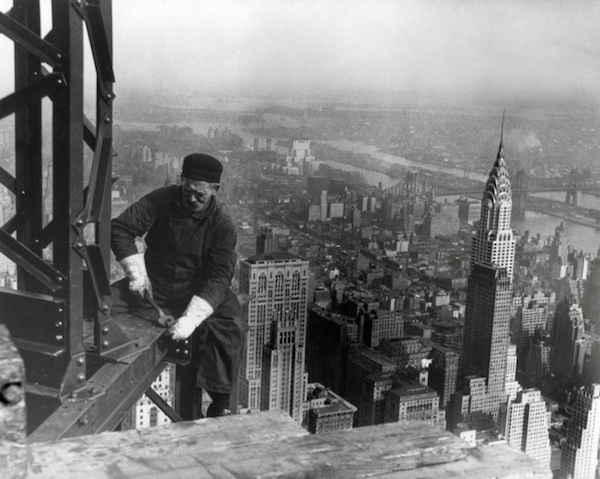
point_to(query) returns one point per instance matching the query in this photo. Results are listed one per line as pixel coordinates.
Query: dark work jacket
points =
(187, 253)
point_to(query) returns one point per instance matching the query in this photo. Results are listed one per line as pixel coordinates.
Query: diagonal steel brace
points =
(91, 13)
(30, 262)
(45, 51)
(99, 178)
(34, 92)
(8, 180)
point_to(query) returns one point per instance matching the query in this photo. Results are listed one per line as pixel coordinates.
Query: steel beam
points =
(8, 180)
(28, 39)
(163, 405)
(30, 262)
(31, 94)
(113, 387)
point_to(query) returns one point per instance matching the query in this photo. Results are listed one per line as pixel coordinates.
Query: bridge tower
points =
(573, 181)
(520, 190)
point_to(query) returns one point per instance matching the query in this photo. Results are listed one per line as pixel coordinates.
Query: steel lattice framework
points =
(84, 370)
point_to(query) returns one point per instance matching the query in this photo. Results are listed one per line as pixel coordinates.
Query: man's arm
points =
(134, 222)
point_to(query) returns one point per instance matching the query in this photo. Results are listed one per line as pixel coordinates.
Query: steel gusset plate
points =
(37, 90)
(178, 351)
(31, 262)
(92, 256)
(38, 326)
(91, 13)
(45, 51)
(89, 135)
(95, 200)
(99, 177)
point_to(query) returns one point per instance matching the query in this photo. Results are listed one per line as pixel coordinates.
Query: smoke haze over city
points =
(458, 48)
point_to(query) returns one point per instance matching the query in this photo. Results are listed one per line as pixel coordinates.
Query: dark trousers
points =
(216, 347)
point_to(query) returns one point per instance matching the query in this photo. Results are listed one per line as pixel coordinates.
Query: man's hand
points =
(195, 314)
(135, 269)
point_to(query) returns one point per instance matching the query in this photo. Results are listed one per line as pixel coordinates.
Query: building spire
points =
(501, 146)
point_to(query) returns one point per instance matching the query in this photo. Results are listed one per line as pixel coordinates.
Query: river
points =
(582, 238)
(372, 151)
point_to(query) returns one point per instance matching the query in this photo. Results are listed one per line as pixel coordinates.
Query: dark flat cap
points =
(201, 167)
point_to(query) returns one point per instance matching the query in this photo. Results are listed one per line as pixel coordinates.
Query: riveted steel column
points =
(28, 143)
(67, 163)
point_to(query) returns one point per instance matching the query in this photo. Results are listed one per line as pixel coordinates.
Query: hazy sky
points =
(444, 46)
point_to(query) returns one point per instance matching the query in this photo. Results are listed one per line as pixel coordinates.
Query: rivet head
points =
(186, 352)
(58, 324)
(105, 344)
(12, 393)
(105, 330)
(59, 337)
(107, 120)
(177, 351)
(105, 307)
(79, 222)
(80, 377)
(80, 362)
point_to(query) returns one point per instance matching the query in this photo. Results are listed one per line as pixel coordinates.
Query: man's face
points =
(197, 194)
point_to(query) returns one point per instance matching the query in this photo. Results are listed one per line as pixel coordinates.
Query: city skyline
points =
(367, 304)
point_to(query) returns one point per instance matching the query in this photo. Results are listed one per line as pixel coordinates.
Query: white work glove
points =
(195, 314)
(135, 269)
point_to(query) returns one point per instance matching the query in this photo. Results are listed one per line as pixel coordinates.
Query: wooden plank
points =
(250, 445)
(497, 461)
(271, 444)
(167, 451)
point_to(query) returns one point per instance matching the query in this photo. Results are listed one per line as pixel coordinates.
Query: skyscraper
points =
(524, 424)
(568, 349)
(538, 359)
(329, 336)
(277, 327)
(579, 454)
(591, 297)
(487, 324)
(493, 243)
(283, 379)
(489, 305)
(443, 372)
(530, 316)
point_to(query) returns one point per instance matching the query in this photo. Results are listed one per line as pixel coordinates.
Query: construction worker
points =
(187, 267)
